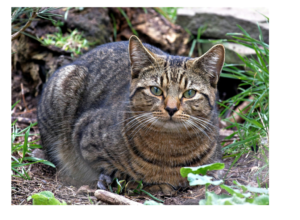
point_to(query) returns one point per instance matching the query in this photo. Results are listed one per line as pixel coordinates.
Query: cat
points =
(128, 110)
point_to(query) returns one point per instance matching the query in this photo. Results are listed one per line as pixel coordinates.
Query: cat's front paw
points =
(162, 189)
(103, 181)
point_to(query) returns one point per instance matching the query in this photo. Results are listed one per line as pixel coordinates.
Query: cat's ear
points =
(140, 56)
(211, 63)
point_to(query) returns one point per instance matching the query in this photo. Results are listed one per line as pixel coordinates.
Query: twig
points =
(20, 113)
(23, 120)
(114, 199)
(22, 91)
(17, 34)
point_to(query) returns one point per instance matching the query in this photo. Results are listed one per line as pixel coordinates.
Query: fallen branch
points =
(114, 199)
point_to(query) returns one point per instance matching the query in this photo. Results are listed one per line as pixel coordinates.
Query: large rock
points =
(231, 50)
(221, 21)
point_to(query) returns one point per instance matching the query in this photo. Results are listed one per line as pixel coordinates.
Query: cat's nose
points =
(171, 111)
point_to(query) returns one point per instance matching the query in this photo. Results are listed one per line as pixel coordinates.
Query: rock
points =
(221, 21)
(231, 50)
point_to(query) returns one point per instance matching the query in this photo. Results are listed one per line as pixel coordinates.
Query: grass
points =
(254, 132)
(128, 21)
(21, 151)
(170, 13)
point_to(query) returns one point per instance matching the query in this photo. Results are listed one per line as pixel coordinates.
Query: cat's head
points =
(170, 92)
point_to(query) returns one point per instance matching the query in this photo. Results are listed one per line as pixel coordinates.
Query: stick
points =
(23, 120)
(19, 113)
(114, 199)
(22, 91)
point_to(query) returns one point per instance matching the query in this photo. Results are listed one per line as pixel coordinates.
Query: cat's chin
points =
(170, 125)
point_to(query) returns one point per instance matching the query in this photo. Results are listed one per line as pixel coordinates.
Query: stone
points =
(221, 21)
(231, 50)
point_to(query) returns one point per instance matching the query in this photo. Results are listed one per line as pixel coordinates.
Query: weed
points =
(238, 194)
(73, 42)
(45, 198)
(254, 131)
(21, 158)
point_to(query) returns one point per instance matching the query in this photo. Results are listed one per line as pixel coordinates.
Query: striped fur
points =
(98, 116)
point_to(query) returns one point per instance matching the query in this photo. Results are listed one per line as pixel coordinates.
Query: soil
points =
(46, 178)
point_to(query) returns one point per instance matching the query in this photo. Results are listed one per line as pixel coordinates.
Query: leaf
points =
(35, 159)
(261, 200)
(212, 199)
(12, 107)
(151, 202)
(235, 192)
(45, 198)
(196, 179)
(252, 189)
(184, 171)
(153, 197)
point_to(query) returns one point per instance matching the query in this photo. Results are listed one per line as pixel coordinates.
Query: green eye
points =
(189, 93)
(156, 91)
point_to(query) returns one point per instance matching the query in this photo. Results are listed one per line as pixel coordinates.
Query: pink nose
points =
(171, 105)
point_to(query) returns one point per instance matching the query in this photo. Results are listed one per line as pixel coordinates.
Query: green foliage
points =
(168, 12)
(184, 171)
(238, 194)
(19, 163)
(73, 42)
(195, 179)
(45, 198)
(255, 78)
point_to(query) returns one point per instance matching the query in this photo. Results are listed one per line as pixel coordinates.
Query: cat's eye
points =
(156, 91)
(189, 93)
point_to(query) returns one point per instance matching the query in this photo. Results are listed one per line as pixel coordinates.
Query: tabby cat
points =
(131, 111)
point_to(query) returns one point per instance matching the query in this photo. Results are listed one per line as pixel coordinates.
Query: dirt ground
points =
(46, 178)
